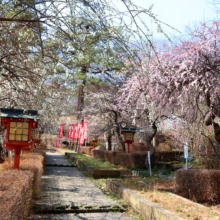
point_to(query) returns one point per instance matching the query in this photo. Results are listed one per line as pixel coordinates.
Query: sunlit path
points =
(66, 189)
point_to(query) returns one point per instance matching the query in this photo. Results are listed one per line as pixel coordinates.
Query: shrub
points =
(138, 159)
(139, 147)
(166, 156)
(15, 194)
(110, 155)
(98, 153)
(199, 185)
(123, 159)
(31, 160)
(86, 150)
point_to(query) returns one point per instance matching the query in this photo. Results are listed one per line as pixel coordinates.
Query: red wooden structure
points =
(128, 134)
(94, 139)
(19, 125)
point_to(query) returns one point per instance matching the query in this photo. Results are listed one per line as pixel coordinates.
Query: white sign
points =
(106, 145)
(186, 150)
(149, 157)
(149, 162)
(113, 147)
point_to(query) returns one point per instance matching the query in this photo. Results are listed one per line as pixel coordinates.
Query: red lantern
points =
(19, 125)
(128, 135)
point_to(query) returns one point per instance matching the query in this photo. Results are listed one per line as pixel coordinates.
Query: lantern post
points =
(94, 139)
(19, 125)
(128, 134)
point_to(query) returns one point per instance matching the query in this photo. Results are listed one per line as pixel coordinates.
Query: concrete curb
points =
(93, 172)
(144, 207)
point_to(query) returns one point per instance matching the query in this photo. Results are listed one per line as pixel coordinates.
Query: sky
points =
(179, 13)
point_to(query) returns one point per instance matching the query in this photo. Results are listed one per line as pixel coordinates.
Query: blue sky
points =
(180, 13)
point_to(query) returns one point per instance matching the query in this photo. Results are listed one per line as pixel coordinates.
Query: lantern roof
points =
(133, 130)
(19, 113)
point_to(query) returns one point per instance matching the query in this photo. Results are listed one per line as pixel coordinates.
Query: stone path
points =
(56, 159)
(66, 188)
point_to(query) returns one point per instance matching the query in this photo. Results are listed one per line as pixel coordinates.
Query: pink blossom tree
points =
(183, 80)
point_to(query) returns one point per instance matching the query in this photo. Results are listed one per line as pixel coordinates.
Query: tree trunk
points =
(81, 96)
(148, 139)
(109, 140)
(120, 138)
(118, 131)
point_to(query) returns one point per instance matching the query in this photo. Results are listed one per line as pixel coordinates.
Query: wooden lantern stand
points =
(19, 125)
(128, 134)
(94, 141)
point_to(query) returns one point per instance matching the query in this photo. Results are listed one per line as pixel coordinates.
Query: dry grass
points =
(18, 187)
(32, 161)
(155, 193)
(15, 194)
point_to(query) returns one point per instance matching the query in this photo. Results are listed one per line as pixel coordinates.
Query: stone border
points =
(93, 172)
(144, 207)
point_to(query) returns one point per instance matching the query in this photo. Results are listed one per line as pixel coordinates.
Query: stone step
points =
(59, 165)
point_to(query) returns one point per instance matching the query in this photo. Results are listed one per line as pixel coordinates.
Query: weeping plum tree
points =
(183, 80)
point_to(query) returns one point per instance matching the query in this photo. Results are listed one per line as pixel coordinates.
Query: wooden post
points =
(128, 148)
(10, 156)
(17, 158)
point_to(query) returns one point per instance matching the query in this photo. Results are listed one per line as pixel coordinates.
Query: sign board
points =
(61, 131)
(186, 150)
(106, 145)
(149, 162)
(148, 157)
